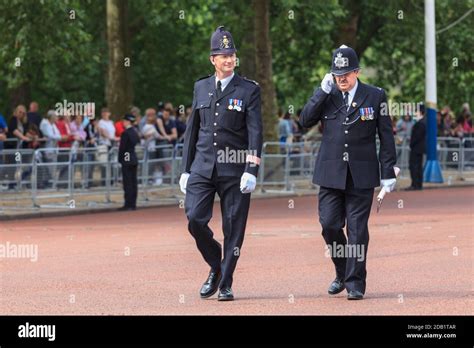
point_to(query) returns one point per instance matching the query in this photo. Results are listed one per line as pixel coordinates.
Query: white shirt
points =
(352, 93)
(109, 128)
(149, 129)
(51, 132)
(225, 81)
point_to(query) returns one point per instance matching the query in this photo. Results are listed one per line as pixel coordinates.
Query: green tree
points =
(50, 51)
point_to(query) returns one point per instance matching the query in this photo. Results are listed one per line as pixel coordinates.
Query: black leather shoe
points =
(411, 188)
(355, 295)
(336, 286)
(211, 285)
(225, 295)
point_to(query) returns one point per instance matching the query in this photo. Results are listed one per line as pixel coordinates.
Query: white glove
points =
(327, 83)
(388, 184)
(248, 183)
(183, 180)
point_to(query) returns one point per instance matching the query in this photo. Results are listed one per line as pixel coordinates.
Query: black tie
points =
(346, 100)
(218, 90)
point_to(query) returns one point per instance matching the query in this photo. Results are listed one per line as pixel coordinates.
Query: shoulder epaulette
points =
(249, 80)
(204, 77)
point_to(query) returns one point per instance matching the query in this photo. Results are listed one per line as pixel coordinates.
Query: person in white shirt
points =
(106, 136)
(106, 129)
(51, 132)
(151, 134)
(51, 136)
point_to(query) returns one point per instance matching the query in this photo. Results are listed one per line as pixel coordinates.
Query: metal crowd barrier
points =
(14, 141)
(282, 162)
(16, 167)
(158, 171)
(59, 175)
(467, 155)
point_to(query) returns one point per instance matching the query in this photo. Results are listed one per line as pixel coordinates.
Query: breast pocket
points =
(234, 119)
(366, 129)
(204, 109)
(329, 117)
(330, 126)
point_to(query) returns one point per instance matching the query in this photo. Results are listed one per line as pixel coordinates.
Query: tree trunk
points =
(119, 92)
(20, 95)
(349, 28)
(263, 60)
(352, 31)
(246, 48)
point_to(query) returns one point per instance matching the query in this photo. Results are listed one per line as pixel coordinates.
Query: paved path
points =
(420, 261)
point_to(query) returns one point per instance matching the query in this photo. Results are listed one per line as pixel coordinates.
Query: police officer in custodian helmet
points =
(221, 154)
(347, 165)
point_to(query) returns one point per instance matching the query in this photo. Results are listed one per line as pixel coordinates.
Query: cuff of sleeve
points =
(252, 169)
(387, 173)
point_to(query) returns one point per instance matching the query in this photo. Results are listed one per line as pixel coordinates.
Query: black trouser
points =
(335, 208)
(130, 185)
(200, 193)
(416, 169)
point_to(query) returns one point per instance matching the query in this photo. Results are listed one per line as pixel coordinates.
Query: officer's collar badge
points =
(340, 61)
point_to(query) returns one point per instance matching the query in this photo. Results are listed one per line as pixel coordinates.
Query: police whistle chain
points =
(345, 123)
(339, 108)
(382, 192)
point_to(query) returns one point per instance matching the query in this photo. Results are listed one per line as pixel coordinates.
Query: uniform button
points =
(217, 113)
(215, 144)
(215, 124)
(325, 117)
(347, 118)
(217, 104)
(346, 131)
(215, 134)
(345, 145)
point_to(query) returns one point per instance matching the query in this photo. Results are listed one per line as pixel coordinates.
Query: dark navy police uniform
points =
(348, 167)
(417, 150)
(128, 159)
(222, 122)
